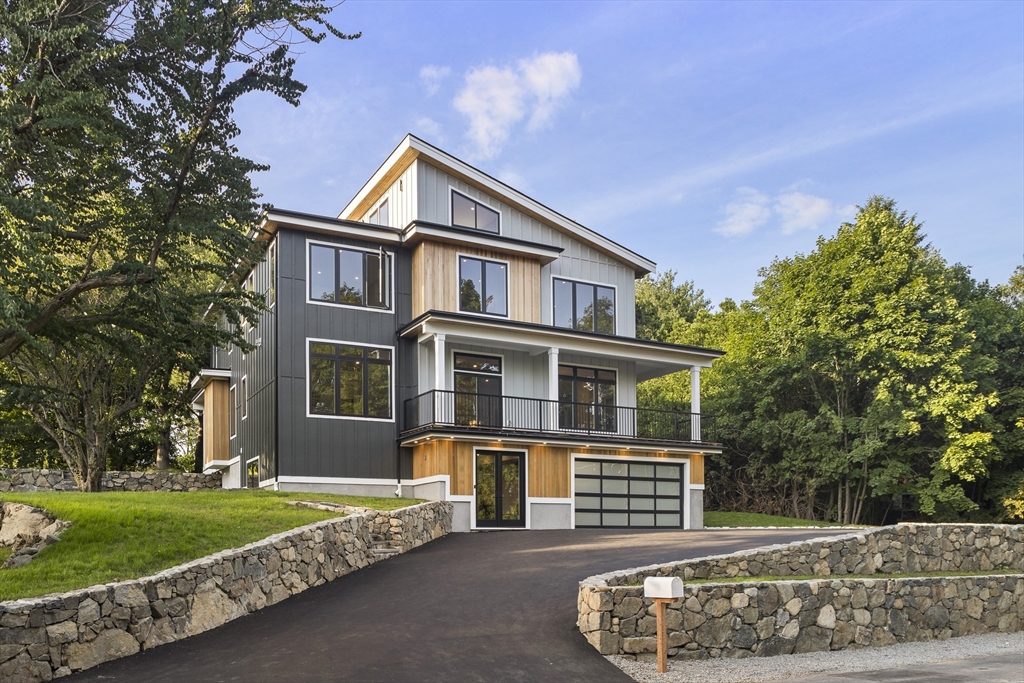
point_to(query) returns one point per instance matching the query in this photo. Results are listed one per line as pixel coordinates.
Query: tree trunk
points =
(163, 449)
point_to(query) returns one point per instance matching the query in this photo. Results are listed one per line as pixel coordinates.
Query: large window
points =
(379, 215)
(483, 286)
(469, 213)
(348, 380)
(586, 398)
(584, 306)
(477, 390)
(349, 276)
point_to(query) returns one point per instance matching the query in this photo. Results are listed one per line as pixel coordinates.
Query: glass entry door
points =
(500, 489)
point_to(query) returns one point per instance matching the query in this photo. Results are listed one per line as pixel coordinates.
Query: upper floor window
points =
(349, 380)
(352, 277)
(584, 306)
(469, 213)
(483, 286)
(379, 215)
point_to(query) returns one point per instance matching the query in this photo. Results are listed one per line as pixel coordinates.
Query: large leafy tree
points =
(125, 208)
(852, 379)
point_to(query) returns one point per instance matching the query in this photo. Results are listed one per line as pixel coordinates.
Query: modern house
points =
(448, 337)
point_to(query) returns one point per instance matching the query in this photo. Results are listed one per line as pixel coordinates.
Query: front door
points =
(500, 489)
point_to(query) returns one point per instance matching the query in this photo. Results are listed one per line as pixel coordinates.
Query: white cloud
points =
(747, 212)
(798, 211)
(496, 99)
(432, 75)
(428, 127)
(550, 77)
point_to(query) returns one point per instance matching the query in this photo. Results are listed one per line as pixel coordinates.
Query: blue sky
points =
(709, 137)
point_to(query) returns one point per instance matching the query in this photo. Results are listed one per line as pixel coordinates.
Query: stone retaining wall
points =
(26, 480)
(781, 617)
(55, 635)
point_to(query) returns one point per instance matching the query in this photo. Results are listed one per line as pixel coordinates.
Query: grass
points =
(718, 519)
(126, 535)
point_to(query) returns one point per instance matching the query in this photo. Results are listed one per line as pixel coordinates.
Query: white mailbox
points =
(670, 587)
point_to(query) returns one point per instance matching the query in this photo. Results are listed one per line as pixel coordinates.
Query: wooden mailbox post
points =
(663, 590)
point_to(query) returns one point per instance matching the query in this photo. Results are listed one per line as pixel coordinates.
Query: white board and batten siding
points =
(578, 261)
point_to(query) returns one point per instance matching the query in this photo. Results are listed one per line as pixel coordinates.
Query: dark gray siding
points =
(320, 446)
(256, 433)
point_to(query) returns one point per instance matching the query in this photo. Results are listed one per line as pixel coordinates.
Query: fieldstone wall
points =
(26, 480)
(56, 635)
(782, 617)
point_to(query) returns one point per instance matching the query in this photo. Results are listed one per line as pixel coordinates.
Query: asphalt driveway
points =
(496, 606)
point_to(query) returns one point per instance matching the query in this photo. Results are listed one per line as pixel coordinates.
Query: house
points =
(448, 337)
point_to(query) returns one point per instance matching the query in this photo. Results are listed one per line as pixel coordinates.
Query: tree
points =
(125, 209)
(116, 122)
(851, 379)
(661, 304)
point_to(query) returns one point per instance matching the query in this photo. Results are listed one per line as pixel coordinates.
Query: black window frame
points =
(483, 284)
(385, 276)
(476, 214)
(600, 417)
(337, 357)
(576, 284)
(630, 495)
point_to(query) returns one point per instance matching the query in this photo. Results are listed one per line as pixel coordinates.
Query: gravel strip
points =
(784, 667)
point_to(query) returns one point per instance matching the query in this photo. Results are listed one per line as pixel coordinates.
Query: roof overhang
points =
(275, 218)
(412, 148)
(691, 448)
(418, 231)
(653, 359)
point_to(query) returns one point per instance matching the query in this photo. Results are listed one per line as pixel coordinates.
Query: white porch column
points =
(695, 403)
(552, 388)
(441, 403)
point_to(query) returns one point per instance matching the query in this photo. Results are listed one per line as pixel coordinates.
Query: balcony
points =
(511, 415)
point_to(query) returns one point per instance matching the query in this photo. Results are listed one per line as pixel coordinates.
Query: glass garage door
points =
(625, 494)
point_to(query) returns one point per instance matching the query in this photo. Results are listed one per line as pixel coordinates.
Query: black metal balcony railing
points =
(487, 413)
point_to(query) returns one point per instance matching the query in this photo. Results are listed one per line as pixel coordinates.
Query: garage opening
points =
(614, 493)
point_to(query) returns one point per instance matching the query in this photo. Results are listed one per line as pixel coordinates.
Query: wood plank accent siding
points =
(215, 421)
(435, 276)
(548, 471)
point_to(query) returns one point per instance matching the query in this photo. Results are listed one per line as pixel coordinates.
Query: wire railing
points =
(492, 413)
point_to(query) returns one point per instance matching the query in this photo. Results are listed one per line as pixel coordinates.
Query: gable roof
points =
(413, 147)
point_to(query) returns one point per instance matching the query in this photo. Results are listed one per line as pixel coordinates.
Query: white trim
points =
(451, 217)
(685, 462)
(551, 501)
(525, 488)
(585, 282)
(272, 268)
(391, 380)
(391, 288)
(218, 374)
(286, 479)
(265, 483)
(233, 406)
(217, 465)
(244, 381)
(458, 286)
(697, 487)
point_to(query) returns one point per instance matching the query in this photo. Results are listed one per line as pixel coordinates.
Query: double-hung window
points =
(483, 286)
(469, 213)
(584, 306)
(353, 277)
(349, 380)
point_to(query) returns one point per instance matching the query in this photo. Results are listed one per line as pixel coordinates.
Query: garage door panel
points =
(628, 494)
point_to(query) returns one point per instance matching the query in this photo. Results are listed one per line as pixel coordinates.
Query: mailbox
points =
(665, 587)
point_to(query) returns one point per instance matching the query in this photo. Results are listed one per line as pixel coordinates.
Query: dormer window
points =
(379, 215)
(469, 213)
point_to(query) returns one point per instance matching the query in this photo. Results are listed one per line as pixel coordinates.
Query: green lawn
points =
(713, 519)
(123, 535)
